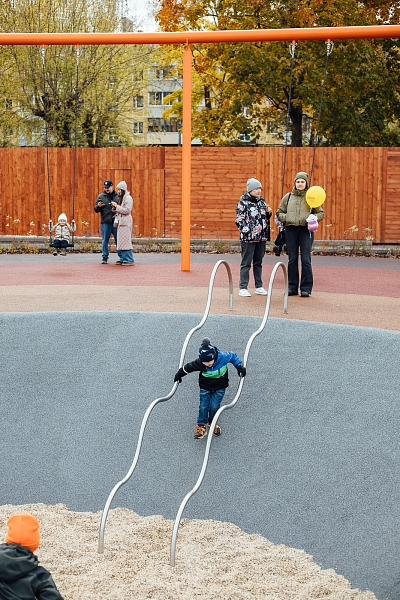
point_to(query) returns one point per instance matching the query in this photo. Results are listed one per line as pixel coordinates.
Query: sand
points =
(213, 560)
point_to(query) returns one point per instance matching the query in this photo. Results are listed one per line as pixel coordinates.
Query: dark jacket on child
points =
(21, 578)
(215, 377)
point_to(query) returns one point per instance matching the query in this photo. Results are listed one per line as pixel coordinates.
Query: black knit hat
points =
(207, 352)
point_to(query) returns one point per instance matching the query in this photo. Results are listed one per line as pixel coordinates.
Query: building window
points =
(156, 98)
(164, 125)
(138, 102)
(137, 127)
(272, 128)
(113, 138)
(163, 72)
(168, 102)
(154, 125)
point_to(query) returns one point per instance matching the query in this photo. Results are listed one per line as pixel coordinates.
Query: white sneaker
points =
(244, 292)
(261, 291)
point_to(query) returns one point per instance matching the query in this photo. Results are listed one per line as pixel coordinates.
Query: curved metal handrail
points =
(226, 406)
(164, 398)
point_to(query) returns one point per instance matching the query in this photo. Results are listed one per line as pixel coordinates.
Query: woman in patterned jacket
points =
(252, 219)
(123, 220)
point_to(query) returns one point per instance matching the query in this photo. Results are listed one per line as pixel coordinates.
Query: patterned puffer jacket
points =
(252, 219)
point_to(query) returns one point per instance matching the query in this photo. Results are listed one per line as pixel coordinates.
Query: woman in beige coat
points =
(123, 220)
(293, 212)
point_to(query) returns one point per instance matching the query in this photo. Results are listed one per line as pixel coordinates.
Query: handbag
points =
(280, 242)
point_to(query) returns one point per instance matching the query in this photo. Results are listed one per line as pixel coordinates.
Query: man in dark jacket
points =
(107, 216)
(20, 576)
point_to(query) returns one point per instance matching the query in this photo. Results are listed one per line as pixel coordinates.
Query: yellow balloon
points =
(315, 196)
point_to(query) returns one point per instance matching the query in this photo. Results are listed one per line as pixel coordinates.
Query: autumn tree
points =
(361, 90)
(8, 115)
(57, 84)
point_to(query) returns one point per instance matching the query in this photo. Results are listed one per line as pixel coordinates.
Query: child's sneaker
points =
(217, 431)
(63, 252)
(55, 252)
(200, 431)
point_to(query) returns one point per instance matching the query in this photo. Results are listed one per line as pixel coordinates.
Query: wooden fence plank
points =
(362, 185)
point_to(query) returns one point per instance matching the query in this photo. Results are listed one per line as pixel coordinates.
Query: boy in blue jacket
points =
(213, 381)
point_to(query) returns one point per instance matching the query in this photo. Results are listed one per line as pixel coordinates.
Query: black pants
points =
(60, 244)
(298, 237)
(252, 252)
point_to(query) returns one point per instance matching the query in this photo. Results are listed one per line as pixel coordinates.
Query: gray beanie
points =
(207, 353)
(122, 186)
(301, 175)
(253, 184)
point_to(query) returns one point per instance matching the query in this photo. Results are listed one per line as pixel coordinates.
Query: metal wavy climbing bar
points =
(226, 406)
(164, 398)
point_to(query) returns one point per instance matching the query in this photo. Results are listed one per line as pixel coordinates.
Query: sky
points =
(140, 10)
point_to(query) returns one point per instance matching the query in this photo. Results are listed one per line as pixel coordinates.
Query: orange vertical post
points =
(186, 157)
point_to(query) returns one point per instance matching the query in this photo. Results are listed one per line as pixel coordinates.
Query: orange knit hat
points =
(23, 529)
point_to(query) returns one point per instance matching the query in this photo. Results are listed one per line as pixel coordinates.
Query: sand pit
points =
(213, 560)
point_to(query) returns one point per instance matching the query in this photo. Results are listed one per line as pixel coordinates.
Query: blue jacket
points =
(215, 377)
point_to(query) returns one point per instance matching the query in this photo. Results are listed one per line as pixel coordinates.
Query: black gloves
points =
(241, 371)
(181, 373)
(178, 377)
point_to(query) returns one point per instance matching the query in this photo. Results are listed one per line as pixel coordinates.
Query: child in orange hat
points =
(20, 575)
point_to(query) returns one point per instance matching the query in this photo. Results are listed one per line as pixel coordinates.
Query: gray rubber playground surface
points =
(309, 456)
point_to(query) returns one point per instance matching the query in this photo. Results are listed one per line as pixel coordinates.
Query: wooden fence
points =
(362, 184)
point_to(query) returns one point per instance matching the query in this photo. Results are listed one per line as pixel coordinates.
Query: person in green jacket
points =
(293, 212)
(21, 578)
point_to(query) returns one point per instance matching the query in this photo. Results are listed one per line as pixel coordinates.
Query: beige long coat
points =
(124, 219)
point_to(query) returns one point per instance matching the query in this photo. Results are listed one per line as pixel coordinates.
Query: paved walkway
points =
(347, 290)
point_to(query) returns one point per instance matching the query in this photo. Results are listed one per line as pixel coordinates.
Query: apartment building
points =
(149, 127)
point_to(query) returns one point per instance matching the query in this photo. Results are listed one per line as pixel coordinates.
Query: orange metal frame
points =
(197, 37)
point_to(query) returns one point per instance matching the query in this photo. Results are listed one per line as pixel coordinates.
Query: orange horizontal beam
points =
(199, 37)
